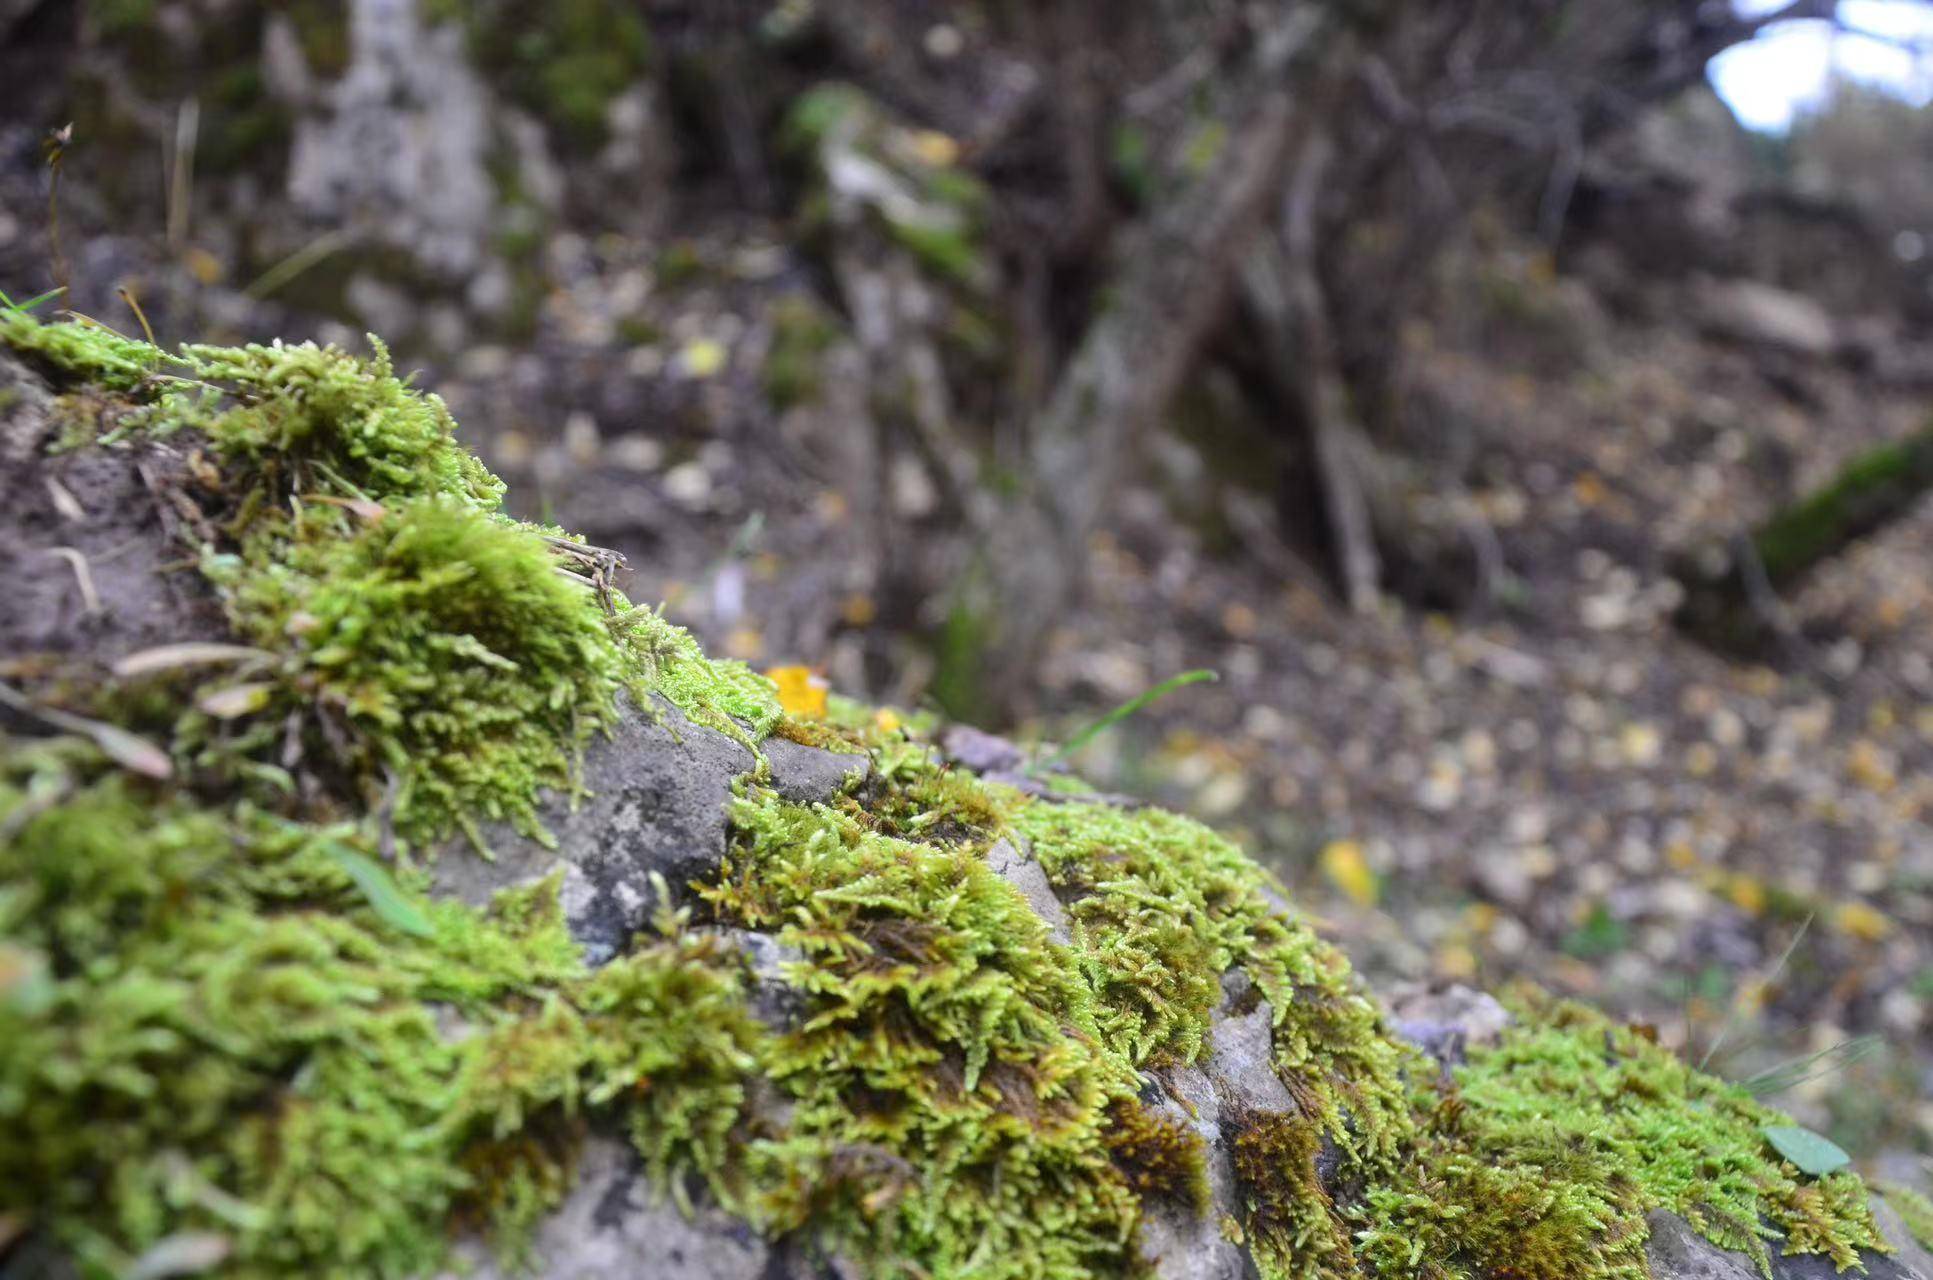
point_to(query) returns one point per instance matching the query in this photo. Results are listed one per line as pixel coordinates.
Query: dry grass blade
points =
(131, 751)
(192, 653)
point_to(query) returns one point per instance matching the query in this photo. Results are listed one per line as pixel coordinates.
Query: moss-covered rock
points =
(268, 1009)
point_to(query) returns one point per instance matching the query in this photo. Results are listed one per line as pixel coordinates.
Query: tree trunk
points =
(1169, 293)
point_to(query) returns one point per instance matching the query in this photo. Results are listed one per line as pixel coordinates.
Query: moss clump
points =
(1162, 908)
(563, 59)
(944, 1034)
(802, 332)
(915, 797)
(1569, 1079)
(207, 1027)
(1915, 1209)
(465, 667)
(922, 202)
(1159, 1156)
(1292, 1225)
(440, 660)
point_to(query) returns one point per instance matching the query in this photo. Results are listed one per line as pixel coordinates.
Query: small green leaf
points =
(1813, 1153)
(385, 899)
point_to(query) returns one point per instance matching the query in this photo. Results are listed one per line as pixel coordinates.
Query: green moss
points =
(466, 667)
(1292, 1226)
(563, 59)
(1162, 907)
(1557, 1142)
(1862, 496)
(915, 797)
(1691, 1142)
(1160, 1156)
(437, 661)
(220, 1013)
(945, 1035)
(206, 1027)
(802, 331)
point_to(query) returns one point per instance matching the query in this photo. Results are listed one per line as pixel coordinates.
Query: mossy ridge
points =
(1575, 1093)
(208, 1029)
(445, 657)
(951, 1089)
(1165, 907)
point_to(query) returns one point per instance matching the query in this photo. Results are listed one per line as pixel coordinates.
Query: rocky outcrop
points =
(721, 1001)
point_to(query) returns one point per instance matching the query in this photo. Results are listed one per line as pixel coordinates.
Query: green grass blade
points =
(1122, 712)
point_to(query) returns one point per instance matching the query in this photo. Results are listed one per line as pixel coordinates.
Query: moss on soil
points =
(228, 1007)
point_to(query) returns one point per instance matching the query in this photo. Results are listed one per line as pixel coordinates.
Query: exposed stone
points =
(1912, 1255)
(397, 149)
(615, 1226)
(658, 791)
(1762, 315)
(978, 750)
(1445, 1022)
(1023, 873)
(1181, 1244)
(1241, 1062)
(1677, 1252)
(813, 775)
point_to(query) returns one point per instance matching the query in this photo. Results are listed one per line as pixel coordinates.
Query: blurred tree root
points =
(1732, 590)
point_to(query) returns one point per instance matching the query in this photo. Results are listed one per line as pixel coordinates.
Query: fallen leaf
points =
(702, 357)
(1813, 1153)
(1858, 920)
(802, 691)
(1343, 862)
(233, 701)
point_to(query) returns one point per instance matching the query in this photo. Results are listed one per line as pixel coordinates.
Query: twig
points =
(181, 179)
(56, 148)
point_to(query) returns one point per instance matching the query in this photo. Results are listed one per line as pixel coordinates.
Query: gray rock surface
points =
(1023, 873)
(614, 1226)
(396, 148)
(1446, 1021)
(658, 791)
(812, 775)
(1677, 1252)
(1912, 1255)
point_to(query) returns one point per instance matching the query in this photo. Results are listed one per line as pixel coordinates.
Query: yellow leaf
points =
(1868, 924)
(935, 148)
(702, 357)
(1348, 870)
(858, 610)
(1747, 894)
(203, 265)
(802, 692)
